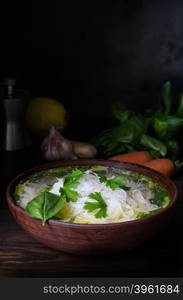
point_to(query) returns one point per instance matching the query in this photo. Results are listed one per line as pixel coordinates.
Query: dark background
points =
(89, 53)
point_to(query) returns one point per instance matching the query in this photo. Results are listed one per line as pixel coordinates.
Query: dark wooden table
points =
(21, 256)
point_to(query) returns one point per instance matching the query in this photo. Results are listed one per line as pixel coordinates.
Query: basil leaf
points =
(44, 206)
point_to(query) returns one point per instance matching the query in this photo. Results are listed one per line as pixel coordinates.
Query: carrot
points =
(162, 165)
(138, 157)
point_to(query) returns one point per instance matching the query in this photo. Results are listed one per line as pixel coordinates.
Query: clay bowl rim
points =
(89, 162)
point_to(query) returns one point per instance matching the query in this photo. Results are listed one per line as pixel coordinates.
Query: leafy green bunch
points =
(155, 131)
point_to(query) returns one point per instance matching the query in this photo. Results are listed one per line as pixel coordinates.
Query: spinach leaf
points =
(44, 206)
(132, 130)
(150, 131)
(153, 144)
(121, 138)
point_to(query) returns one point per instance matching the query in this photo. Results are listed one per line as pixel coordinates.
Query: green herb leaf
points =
(102, 178)
(99, 168)
(71, 195)
(18, 191)
(142, 214)
(100, 205)
(114, 183)
(132, 132)
(160, 198)
(152, 143)
(167, 126)
(117, 139)
(70, 182)
(68, 194)
(71, 220)
(44, 206)
(117, 182)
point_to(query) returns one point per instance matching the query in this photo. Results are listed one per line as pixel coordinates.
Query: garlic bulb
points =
(56, 147)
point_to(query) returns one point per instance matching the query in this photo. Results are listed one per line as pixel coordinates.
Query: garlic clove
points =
(83, 150)
(56, 147)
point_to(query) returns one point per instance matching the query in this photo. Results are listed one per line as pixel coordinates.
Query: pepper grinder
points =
(14, 133)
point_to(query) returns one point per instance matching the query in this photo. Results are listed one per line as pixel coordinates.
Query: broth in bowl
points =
(90, 195)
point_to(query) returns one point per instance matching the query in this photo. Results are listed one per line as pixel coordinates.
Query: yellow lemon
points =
(43, 112)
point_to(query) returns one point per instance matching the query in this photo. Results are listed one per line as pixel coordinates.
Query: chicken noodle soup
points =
(90, 195)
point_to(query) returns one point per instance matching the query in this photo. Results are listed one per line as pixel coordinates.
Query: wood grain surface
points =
(21, 256)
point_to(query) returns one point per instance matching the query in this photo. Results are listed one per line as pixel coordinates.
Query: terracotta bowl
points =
(94, 239)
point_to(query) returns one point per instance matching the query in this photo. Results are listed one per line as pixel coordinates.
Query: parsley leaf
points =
(114, 183)
(102, 178)
(100, 205)
(71, 181)
(69, 195)
(117, 182)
